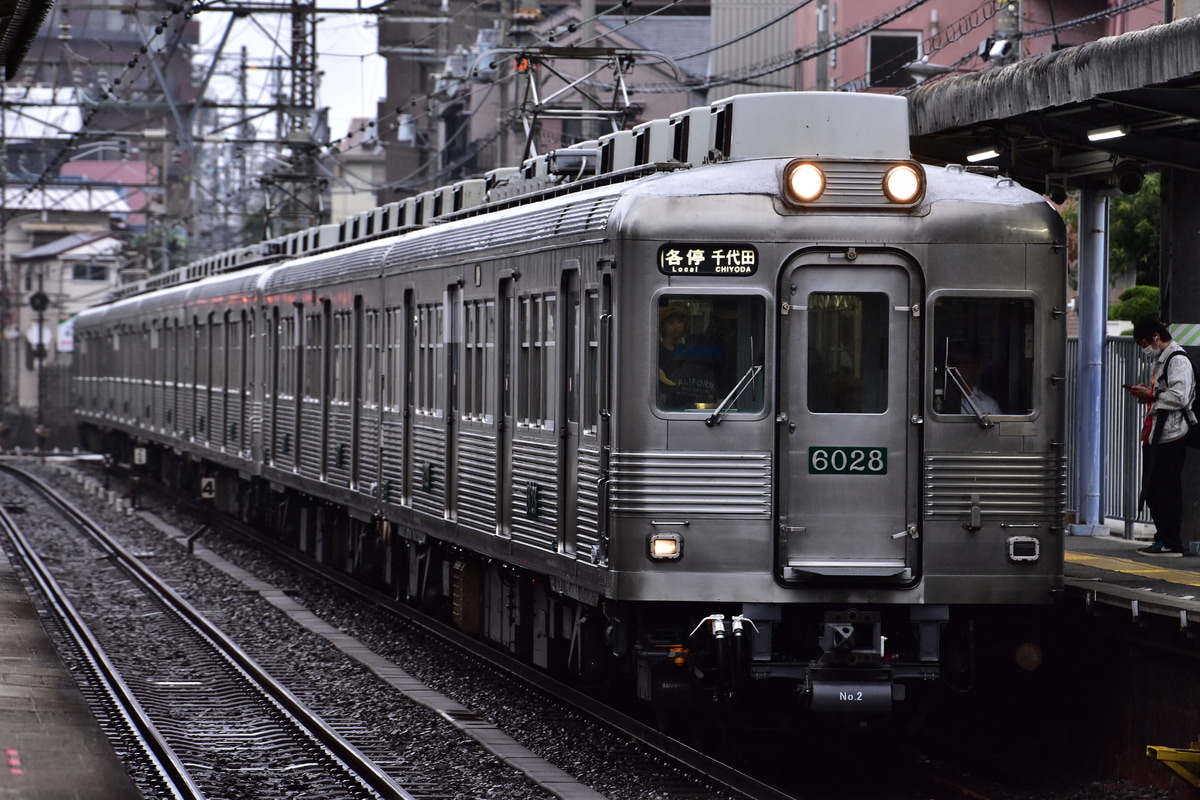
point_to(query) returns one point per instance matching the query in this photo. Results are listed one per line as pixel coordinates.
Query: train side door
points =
(453, 353)
(359, 405)
(571, 394)
(849, 356)
(504, 407)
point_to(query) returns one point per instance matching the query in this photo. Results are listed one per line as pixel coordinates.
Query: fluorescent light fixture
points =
(1111, 132)
(983, 155)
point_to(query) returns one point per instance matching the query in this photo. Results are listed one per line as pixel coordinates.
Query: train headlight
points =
(803, 182)
(903, 183)
(665, 546)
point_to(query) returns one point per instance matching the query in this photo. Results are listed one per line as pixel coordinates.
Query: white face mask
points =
(1149, 352)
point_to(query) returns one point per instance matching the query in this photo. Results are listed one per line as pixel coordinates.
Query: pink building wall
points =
(951, 32)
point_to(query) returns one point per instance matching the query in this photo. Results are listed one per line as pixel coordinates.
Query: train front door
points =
(848, 434)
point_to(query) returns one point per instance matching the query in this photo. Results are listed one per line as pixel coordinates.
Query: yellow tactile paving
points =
(1179, 576)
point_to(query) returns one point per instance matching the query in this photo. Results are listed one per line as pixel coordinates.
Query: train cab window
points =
(983, 356)
(708, 351)
(848, 353)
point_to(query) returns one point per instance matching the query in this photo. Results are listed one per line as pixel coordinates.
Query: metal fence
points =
(1123, 418)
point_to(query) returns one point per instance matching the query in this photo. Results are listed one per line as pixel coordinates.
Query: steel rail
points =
(354, 761)
(727, 777)
(107, 679)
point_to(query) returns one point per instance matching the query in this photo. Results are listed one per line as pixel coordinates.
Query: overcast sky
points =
(353, 79)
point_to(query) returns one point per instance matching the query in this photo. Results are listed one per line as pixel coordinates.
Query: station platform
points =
(51, 747)
(1109, 570)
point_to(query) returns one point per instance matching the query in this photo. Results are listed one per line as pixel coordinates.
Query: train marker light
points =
(1024, 548)
(665, 546)
(902, 184)
(803, 182)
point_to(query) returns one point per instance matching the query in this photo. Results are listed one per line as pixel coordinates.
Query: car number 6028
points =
(847, 460)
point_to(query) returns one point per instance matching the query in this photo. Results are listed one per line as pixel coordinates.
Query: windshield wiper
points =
(733, 395)
(984, 420)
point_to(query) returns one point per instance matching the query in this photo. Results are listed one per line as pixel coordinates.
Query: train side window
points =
(203, 351)
(370, 358)
(479, 346)
(393, 370)
(430, 343)
(706, 346)
(343, 356)
(848, 353)
(314, 341)
(287, 357)
(233, 355)
(983, 356)
(591, 365)
(535, 360)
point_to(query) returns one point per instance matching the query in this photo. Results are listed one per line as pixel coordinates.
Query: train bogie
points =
(787, 419)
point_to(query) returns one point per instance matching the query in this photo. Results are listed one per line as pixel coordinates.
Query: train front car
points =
(839, 412)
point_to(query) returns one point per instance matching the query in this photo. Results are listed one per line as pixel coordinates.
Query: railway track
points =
(207, 715)
(672, 770)
(700, 775)
(681, 771)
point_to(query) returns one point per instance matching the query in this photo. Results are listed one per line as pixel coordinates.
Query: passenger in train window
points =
(969, 368)
(984, 348)
(1169, 397)
(685, 380)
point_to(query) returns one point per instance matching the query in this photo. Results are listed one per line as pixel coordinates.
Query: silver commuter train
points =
(760, 408)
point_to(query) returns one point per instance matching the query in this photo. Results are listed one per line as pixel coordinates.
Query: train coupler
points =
(852, 638)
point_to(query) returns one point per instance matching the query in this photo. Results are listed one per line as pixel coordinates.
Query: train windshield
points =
(983, 356)
(706, 345)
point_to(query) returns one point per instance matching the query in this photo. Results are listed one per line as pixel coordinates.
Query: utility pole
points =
(39, 302)
(587, 29)
(822, 84)
(295, 194)
(1007, 49)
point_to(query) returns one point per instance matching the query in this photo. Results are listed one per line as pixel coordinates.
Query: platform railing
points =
(1123, 418)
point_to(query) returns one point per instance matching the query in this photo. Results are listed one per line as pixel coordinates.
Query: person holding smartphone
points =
(1168, 398)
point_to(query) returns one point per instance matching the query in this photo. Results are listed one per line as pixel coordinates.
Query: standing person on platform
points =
(1169, 399)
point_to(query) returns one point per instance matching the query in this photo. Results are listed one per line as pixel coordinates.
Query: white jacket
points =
(1173, 392)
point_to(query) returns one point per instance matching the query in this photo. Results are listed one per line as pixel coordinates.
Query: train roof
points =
(740, 128)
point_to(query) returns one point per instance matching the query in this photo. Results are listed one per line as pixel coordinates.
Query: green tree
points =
(1134, 224)
(151, 245)
(1137, 302)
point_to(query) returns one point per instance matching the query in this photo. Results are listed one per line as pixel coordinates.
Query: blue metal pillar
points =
(1089, 395)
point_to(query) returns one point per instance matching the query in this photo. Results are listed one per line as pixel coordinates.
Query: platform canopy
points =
(1038, 112)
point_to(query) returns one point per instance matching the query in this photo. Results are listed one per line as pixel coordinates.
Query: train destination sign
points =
(732, 260)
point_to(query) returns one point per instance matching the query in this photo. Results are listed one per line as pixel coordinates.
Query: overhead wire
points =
(51, 168)
(946, 36)
(751, 72)
(740, 37)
